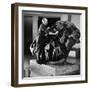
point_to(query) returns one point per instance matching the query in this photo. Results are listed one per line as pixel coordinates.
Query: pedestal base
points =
(41, 70)
(38, 70)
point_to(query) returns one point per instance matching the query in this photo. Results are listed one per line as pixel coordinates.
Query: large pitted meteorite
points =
(57, 47)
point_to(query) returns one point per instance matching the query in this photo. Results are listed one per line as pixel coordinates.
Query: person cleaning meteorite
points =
(43, 40)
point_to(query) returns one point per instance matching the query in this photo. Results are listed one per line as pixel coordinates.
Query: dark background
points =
(27, 34)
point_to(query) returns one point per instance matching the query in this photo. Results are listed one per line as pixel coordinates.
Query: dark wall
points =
(27, 33)
(51, 20)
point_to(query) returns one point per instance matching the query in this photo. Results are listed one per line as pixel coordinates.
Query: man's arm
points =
(40, 27)
(51, 33)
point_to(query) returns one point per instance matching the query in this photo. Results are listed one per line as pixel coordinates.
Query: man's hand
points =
(56, 32)
(48, 28)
